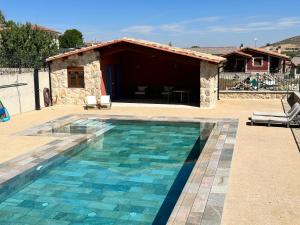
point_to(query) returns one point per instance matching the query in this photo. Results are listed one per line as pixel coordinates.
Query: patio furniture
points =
(91, 102)
(278, 114)
(293, 118)
(182, 93)
(105, 102)
(141, 91)
(167, 93)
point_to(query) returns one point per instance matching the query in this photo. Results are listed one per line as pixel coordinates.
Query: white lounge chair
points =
(91, 102)
(293, 118)
(278, 114)
(105, 101)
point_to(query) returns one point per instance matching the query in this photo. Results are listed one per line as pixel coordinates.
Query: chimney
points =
(241, 46)
(279, 49)
(268, 47)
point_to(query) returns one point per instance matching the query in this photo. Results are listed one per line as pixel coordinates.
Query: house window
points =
(298, 70)
(76, 77)
(258, 61)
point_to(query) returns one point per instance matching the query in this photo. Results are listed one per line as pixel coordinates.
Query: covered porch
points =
(132, 73)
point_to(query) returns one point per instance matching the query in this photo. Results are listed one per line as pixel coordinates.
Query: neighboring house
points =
(296, 65)
(118, 67)
(53, 33)
(256, 60)
(219, 51)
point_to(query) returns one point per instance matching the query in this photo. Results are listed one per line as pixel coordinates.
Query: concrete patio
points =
(264, 184)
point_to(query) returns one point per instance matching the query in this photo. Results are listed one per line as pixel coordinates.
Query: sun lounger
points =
(293, 118)
(105, 101)
(278, 114)
(91, 102)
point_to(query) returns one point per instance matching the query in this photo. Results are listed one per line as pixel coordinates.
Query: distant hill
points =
(289, 46)
(292, 41)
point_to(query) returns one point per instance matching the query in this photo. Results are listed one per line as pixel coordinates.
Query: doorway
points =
(274, 65)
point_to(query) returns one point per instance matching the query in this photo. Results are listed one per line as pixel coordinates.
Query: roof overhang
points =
(239, 53)
(266, 52)
(179, 51)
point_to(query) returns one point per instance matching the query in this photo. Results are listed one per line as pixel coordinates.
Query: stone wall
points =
(61, 94)
(252, 94)
(208, 84)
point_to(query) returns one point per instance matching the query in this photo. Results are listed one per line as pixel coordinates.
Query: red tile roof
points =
(238, 53)
(46, 29)
(296, 61)
(267, 52)
(215, 50)
(154, 45)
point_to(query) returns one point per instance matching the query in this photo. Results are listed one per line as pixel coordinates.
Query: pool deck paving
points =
(264, 184)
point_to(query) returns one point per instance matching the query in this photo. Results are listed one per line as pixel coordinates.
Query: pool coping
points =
(202, 199)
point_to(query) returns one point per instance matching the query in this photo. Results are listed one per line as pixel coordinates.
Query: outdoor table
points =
(182, 93)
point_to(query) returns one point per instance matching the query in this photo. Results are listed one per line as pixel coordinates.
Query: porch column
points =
(269, 64)
(208, 84)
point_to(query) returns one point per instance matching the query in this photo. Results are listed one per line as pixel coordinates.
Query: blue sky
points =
(184, 23)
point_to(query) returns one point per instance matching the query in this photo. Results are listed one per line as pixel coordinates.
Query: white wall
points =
(21, 99)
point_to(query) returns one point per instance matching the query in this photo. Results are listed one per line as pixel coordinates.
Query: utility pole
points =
(255, 42)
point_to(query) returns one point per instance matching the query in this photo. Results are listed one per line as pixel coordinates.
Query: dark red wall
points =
(251, 68)
(154, 70)
(157, 72)
(109, 60)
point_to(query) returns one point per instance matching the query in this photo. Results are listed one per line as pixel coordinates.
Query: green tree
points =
(71, 39)
(23, 46)
(2, 19)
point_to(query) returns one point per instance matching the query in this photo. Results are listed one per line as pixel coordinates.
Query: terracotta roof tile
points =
(167, 48)
(46, 29)
(296, 60)
(271, 53)
(215, 50)
(238, 53)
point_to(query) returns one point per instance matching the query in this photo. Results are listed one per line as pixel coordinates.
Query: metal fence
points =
(12, 63)
(258, 82)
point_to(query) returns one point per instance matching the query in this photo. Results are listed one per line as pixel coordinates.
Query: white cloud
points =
(280, 24)
(140, 29)
(176, 27)
(208, 19)
(288, 22)
(180, 26)
(259, 24)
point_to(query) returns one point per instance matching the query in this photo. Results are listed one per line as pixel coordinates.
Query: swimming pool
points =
(133, 173)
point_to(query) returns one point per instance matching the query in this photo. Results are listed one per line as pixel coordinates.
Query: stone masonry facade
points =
(61, 94)
(253, 94)
(208, 84)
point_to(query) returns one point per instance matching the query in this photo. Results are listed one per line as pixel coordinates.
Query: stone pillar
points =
(208, 84)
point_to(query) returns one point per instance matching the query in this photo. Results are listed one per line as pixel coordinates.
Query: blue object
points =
(4, 115)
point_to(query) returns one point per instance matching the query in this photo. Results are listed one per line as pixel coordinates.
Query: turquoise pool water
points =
(131, 174)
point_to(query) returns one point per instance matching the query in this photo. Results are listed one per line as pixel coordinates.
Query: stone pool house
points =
(118, 67)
